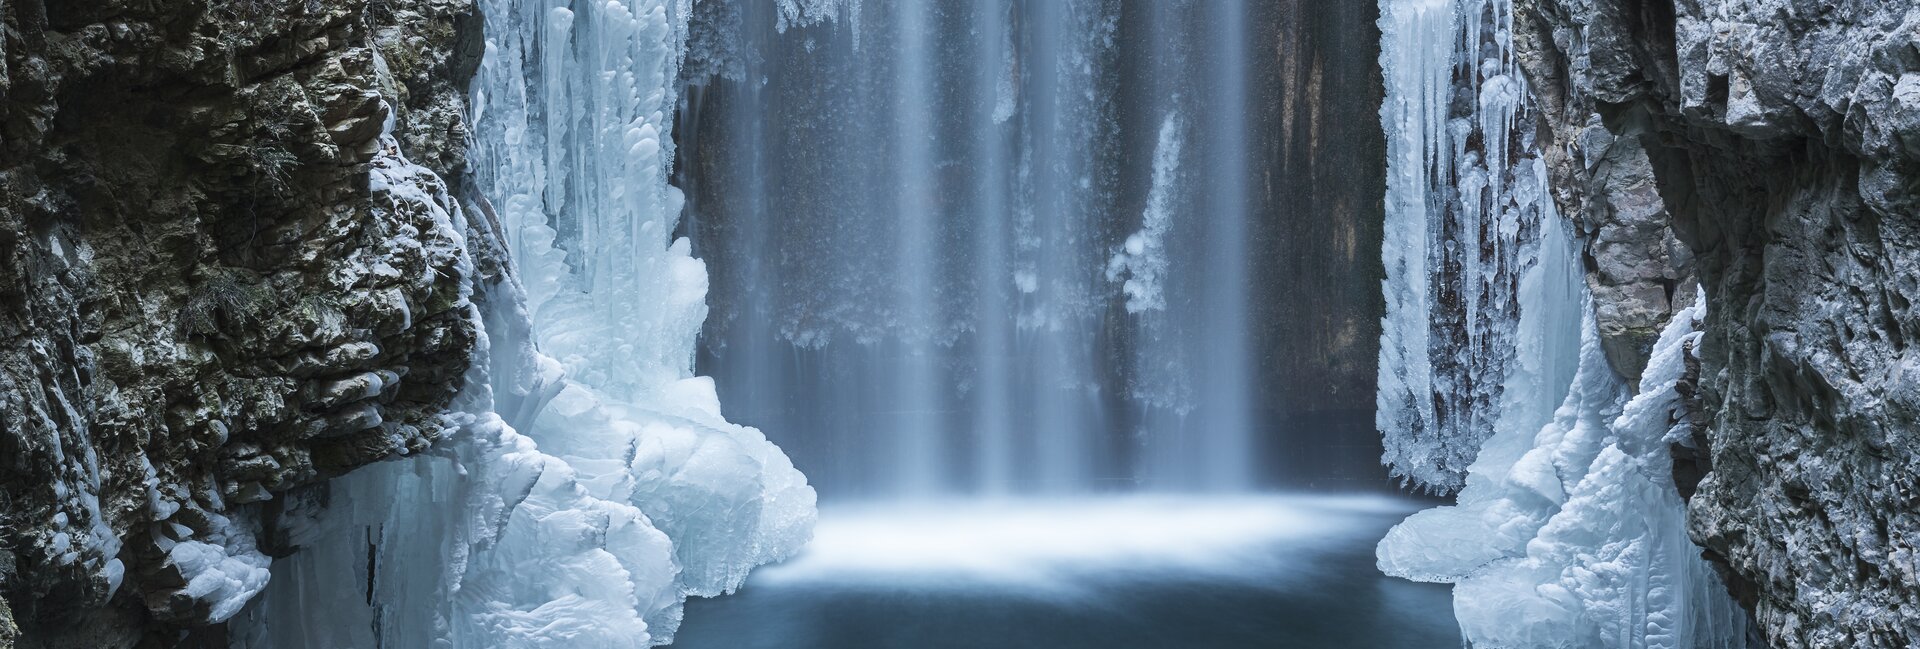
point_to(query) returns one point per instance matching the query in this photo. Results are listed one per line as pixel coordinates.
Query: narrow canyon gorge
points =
(549, 323)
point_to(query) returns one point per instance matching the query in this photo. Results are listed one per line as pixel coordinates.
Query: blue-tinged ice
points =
(1140, 265)
(1568, 530)
(1463, 225)
(1581, 540)
(591, 483)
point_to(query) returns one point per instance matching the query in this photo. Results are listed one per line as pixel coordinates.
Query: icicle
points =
(1463, 224)
(1568, 531)
(626, 491)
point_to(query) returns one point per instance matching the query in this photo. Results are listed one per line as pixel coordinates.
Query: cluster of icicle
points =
(800, 13)
(592, 484)
(1463, 224)
(1568, 531)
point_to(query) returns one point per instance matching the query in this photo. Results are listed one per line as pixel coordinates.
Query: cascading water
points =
(1039, 251)
(1010, 234)
(1000, 248)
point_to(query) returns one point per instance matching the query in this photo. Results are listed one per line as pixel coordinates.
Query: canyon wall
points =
(221, 279)
(227, 272)
(1769, 149)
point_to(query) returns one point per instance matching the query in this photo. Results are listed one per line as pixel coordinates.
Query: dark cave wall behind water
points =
(1318, 235)
(1317, 186)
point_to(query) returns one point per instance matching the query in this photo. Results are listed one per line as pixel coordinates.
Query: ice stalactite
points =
(573, 138)
(1141, 261)
(1557, 391)
(1463, 225)
(1418, 88)
(799, 13)
(1568, 530)
(592, 484)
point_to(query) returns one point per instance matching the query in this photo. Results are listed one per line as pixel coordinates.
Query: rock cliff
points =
(1771, 149)
(227, 270)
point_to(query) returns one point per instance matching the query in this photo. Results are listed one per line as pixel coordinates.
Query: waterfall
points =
(985, 248)
(1227, 454)
(1568, 530)
(995, 247)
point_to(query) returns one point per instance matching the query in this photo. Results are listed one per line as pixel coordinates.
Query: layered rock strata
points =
(1773, 149)
(220, 279)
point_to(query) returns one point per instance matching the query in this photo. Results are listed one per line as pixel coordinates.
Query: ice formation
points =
(1568, 530)
(1463, 224)
(80, 487)
(592, 483)
(1575, 536)
(574, 144)
(797, 13)
(1142, 260)
(220, 566)
(1557, 392)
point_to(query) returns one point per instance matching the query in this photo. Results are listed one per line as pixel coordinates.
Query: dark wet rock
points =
(1781, 138)
(218, 281)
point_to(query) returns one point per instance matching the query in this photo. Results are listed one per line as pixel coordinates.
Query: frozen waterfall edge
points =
(1568, 530)
(591, 483)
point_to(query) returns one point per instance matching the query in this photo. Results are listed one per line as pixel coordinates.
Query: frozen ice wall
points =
(1574, 535)
(572, 143)
(1568, 530)
(1462, 226)
(592, 484)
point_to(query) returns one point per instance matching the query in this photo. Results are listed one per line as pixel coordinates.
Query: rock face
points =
(220, 279)
(1779, 141)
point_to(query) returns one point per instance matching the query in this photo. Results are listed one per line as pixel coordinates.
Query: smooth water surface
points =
(1114, 573)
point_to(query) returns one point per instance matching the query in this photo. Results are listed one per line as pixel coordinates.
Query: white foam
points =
(1046, 544)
